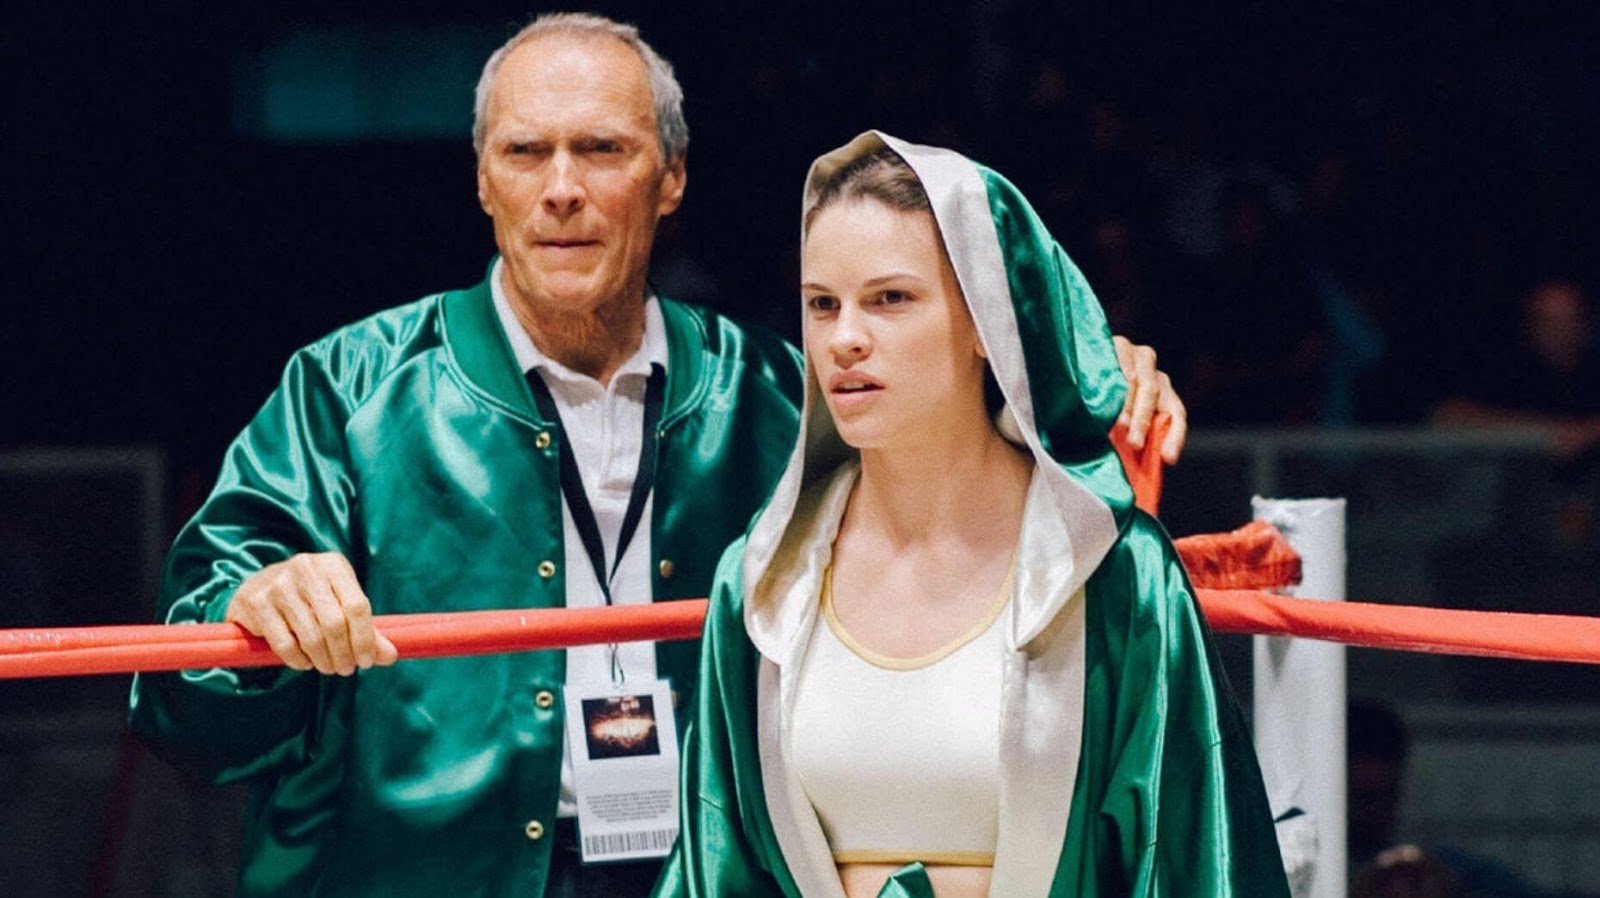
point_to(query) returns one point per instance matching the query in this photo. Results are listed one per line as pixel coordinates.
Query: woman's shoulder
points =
(1142, 575)
(1142, 544)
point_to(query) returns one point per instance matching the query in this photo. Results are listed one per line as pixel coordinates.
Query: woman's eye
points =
(894, 297)
(823, 303)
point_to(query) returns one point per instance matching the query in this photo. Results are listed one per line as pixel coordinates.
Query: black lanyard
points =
(572, 481)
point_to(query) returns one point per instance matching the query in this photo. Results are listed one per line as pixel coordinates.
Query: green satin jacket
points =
(411, 443)
(1167, 800)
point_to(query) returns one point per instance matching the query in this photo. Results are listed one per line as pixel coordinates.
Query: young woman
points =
(950, 658)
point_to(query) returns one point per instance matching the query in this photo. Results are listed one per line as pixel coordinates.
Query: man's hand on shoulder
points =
(1150, 392)
(311, 610)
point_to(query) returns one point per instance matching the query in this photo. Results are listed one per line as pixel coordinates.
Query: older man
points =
(555, 436)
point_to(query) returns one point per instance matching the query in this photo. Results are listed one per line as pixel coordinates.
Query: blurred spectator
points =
(1043, 94)
(1405, 871)
(1543, 553)
(1376, 763)
(1377, 746)
(1085, 150)
(1138, 279)
(1183, 153)
(1257, 324)
(1550, 377)
(1113, 258)
(1339, 258)
(1116, 170)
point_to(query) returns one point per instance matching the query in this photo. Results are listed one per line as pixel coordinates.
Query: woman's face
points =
(887, 333)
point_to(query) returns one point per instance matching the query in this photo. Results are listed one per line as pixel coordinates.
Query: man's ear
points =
(672, 184)
(483, 190)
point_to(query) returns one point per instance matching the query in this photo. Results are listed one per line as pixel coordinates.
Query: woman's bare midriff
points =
(949, 881)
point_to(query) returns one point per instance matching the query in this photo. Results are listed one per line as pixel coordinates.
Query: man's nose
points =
(563, 190)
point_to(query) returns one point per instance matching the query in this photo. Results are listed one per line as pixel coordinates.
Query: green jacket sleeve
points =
(1185, 800)
(284, 489)
(725, 848)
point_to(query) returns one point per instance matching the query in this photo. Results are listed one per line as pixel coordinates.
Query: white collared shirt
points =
(604, 426)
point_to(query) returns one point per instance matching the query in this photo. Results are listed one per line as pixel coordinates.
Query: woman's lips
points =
(852, 389)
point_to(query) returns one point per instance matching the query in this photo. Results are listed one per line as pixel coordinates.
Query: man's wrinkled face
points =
(572, 173)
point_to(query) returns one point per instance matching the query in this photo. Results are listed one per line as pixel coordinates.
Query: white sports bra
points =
(901, 757)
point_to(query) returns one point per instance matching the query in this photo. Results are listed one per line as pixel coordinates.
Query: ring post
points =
(1300, 706)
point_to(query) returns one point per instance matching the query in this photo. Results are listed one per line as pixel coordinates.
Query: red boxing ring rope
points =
(125, 649)
(1258, 557)
(1406, 628)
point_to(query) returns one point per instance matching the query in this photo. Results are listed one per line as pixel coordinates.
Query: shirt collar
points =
(652, 349)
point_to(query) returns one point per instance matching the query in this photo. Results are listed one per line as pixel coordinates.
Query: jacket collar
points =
(478, 344)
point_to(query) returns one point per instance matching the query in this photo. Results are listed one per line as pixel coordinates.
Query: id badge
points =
(623, 742)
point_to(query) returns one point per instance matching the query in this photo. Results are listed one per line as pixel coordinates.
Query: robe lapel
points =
(788, 607)
(1041, 735)
(794, 822)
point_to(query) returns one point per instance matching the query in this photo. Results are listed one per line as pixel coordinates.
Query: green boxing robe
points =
(410, 443)
(1125, 767)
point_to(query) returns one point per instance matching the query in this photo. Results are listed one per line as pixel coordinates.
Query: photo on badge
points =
(620, 726)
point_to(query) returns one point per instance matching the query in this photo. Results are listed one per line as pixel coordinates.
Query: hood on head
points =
(1050, 351)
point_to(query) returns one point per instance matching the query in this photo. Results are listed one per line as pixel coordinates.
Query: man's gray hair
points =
(671, 128)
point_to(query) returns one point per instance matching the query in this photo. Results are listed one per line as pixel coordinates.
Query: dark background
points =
(163, 262)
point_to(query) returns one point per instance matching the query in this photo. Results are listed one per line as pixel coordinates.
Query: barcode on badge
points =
(658, 840)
